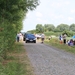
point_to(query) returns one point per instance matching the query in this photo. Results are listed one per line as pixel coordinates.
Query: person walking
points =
(42, 37)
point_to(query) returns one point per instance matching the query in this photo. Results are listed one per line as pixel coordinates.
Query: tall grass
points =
(12, 68)
(17, 62)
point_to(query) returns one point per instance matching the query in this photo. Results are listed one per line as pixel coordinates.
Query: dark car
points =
(28, 37)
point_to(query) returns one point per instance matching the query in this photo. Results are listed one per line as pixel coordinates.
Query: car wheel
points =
(34, 41)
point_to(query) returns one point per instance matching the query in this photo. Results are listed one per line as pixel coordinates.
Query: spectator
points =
(74, 42)
(61, 39)
(67, 42)
(42, 37)
(18, 37)
(71, 43)
(64, 38)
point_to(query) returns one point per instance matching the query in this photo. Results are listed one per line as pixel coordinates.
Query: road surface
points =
(50, 61)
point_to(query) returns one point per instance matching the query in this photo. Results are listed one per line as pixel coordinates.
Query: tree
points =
(39, 28)
(12, 12)
(72, 27)
(62, 27)
(49, 27)
(32, 31)
(46, 27)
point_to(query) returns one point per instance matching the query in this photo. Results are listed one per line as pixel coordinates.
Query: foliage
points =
(62, 27)
(68, 33)
(49, 33)
(12, 14)
(32, 31)
(39, 28)
(17, 62)
(49, 27)
(72, 27)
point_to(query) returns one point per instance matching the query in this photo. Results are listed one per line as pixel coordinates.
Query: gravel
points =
(50, 61)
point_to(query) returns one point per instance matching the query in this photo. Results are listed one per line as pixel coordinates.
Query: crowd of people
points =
(19, 37)
(70, 42)
(63, 39)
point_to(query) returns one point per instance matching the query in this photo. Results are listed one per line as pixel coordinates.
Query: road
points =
(47, 60)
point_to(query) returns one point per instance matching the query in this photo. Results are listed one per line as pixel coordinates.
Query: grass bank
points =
(17, 62)
(56, 43)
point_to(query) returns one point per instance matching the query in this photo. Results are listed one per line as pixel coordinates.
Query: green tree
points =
(72, 27)
(49, 27)
(32, 31)
(12, 13)
(62, 27)
(39, 28)
(46, 27)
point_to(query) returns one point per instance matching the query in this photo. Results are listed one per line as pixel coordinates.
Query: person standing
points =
(42, 37)
(61, 39)
(18, 37)
(64, 38)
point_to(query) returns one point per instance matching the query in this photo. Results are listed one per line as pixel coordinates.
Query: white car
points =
(38, 36)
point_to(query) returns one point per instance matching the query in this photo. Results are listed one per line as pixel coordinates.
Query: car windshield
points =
(30, 35)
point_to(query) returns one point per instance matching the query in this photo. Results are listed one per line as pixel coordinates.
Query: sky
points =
(50, 12)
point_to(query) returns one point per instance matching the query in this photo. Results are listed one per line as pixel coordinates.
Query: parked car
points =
(38, 36)
(28, 37)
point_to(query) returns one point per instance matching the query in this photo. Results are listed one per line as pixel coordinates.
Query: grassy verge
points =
(17, 62)
(65, 47)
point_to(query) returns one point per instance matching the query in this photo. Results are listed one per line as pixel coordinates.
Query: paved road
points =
(50, 61)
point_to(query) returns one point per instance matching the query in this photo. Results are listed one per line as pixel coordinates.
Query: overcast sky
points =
(50, 12)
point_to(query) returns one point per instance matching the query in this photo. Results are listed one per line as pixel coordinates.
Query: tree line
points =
(62, 28)
(51, 27)
(12, 13)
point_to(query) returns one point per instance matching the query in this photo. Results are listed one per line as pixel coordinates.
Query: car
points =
(38, 36)
(28, 37)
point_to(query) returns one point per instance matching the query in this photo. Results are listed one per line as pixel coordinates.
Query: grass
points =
(17, 62)
(56, 43)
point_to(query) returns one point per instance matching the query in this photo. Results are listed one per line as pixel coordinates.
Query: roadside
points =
(50, 61)
(17, 62)
(21, 61)
(55, 43)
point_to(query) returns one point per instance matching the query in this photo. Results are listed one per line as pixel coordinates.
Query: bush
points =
(69, 33)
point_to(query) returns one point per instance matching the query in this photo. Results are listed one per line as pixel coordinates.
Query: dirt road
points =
(50, 61)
